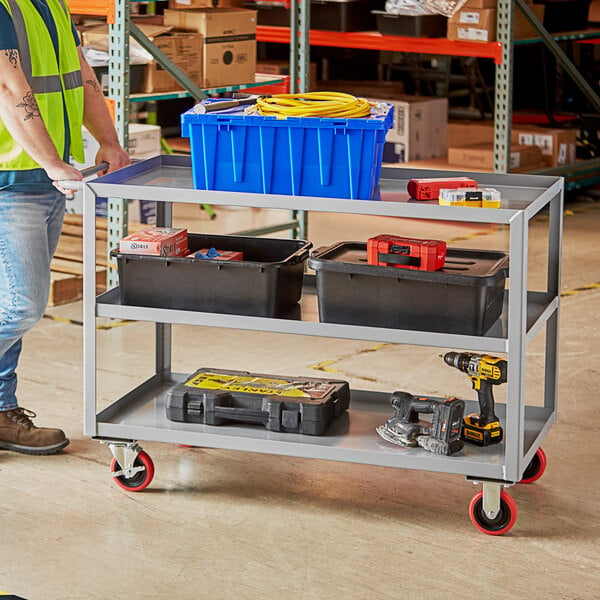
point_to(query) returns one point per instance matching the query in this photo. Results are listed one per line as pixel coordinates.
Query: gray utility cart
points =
(140, 414)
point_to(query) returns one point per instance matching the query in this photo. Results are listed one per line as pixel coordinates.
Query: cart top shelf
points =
(169, 178)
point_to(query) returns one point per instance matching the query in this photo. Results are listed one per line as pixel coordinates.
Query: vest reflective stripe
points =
(56, 81)
(21, 33)
(72, 80)
(45, 83)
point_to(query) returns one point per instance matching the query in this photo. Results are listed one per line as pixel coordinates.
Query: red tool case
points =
(429, 189)
(407, 253)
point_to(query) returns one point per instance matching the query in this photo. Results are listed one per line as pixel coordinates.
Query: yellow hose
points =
(314, 104)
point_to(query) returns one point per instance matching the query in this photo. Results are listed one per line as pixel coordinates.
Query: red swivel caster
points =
(493, 522)
(131, 468)
(536, 467)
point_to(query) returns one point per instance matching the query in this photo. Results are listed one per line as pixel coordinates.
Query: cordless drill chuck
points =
(484, 371)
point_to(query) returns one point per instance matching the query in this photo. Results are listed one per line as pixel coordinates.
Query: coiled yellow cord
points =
(314, 104)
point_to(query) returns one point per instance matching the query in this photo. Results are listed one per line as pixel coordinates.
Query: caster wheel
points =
(536, 467)
(504, 520)
(141, 479)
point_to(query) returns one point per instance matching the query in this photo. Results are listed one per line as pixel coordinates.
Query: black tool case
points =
(280, 403)
(464, 297)
(267, 283)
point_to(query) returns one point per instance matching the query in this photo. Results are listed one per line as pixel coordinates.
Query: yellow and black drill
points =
(484, 371)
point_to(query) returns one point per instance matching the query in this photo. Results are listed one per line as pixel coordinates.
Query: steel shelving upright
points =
(118, 16)
(140, 413)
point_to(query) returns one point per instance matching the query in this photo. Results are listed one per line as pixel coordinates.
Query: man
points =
(47, 90)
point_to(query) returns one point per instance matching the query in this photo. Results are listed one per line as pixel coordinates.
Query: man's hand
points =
(63, 172)
(114, 155)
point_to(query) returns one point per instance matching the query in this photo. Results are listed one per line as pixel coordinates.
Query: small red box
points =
(214, 254)
(429, 189)
(157, 241)
(406, 253)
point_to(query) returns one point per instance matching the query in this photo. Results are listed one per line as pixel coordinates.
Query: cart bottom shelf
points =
(140, 415)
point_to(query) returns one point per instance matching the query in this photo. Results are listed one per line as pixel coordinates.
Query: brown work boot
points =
(18, 433)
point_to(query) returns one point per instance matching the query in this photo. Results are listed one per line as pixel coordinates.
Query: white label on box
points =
(515, 160)
(189, 2)
(470, 33)
(544, 142)
(562, 154)
(104, 82)
(400, 116)
(469, 17)
(526, 139)
(401, 152)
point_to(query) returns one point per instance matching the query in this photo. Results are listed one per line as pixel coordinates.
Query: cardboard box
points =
(594, 12)
(384, 90)
(420, 127)
(479, 4)
(144, 140)
(483, 18)
(481, 156)
(479, 24)
(156, 241)
(556, 145)
(473, 24)
(185, 50)
(467, 133)
(187, 4)
(229, 35)
(97, 37)
(522, 29)
(282, 67)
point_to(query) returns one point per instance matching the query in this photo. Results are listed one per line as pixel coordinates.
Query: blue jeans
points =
(30, 225)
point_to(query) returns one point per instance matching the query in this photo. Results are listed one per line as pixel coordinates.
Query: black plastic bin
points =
(411, 26)
(325, 15)
(267, 283)
(465, 297)
(565, 15)
(136, 78)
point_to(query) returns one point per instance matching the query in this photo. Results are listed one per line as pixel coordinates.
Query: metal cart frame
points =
(139, 415)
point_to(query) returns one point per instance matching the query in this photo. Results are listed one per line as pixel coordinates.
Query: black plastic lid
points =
(462, 266)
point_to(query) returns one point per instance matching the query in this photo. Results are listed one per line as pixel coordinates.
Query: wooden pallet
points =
(66, 278)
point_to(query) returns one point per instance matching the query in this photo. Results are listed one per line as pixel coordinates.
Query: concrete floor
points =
(220, 524)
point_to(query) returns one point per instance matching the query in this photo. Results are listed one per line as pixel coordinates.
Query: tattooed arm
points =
(98, 120)
(21, 116)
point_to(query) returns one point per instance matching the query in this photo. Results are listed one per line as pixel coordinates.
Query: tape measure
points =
(474, 197)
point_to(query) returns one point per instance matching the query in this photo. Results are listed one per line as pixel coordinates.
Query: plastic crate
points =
(411, 26)
(464, 297)
(299, 156)
(267, 283)
(325, 15)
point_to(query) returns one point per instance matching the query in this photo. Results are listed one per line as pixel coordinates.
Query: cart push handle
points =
(78, 185)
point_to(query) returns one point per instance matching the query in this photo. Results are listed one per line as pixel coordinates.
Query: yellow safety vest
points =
(55, 83)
